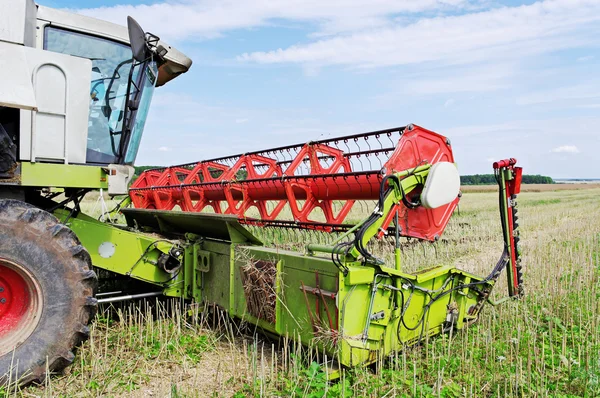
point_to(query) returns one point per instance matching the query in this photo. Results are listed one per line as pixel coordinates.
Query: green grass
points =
(544, 345)
(540, 202)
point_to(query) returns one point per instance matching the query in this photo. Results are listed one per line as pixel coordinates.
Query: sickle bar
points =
(315, 184)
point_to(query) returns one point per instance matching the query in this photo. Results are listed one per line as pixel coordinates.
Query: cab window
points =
(111, 63)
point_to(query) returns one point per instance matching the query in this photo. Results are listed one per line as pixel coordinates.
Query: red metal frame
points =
(325, 178)
(512, 188)
(15, 300)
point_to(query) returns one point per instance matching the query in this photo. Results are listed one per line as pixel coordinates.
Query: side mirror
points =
(442, 185)
(137, 40)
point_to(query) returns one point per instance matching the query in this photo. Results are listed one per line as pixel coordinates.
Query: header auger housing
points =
(338, 297)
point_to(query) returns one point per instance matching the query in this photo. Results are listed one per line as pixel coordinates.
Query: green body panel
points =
(335, 321)
(356, 313)
(128, 253)
(293, 270)
(63, 175)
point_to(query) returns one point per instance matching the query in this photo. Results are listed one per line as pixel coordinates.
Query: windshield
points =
(111, 67)
(148, 82)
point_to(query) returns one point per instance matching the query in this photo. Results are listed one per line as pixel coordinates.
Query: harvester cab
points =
(76, 91)
(74, 98)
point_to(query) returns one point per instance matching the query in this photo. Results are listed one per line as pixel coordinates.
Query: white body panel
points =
(16, 89)
(17, 22)
(57, 131)
(119, 177)
(84, 24)
(442, 185)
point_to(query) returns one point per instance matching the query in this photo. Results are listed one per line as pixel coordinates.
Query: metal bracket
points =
(378, 316)
(202, 259)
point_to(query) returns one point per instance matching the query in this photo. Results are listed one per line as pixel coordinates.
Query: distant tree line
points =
(487, 179)
(140, 169)
(474, 179)
(240, 175)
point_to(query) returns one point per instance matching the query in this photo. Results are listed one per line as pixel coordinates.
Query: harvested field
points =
(545, 345)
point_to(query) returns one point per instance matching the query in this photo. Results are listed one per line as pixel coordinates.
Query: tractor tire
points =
(47, 291)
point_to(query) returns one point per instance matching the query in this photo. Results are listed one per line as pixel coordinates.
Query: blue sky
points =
(500, 78)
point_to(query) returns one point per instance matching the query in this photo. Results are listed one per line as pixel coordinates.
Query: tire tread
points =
(45, 223)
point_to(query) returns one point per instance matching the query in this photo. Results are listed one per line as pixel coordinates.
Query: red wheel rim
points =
(20, 305)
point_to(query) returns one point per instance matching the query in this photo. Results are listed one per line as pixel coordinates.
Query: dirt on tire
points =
(52, 253)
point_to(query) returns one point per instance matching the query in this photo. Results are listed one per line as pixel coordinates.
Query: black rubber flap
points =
(215, 226)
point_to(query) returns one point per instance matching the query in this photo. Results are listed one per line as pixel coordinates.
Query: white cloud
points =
(554, 128)
(521, 139)
(449, 102)
(209, 18)
(311, 70)
(589, 89)
(545, 26)
(202, 129)
(477, 78)
(565, 149)
(450, 83)
(585, 58)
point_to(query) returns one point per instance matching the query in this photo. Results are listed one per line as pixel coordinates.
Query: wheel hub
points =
(20, 305)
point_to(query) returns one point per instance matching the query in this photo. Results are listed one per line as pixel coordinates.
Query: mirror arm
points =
(126, 117)
(131, 106)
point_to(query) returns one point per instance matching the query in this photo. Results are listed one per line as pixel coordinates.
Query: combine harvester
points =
(74, 97)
